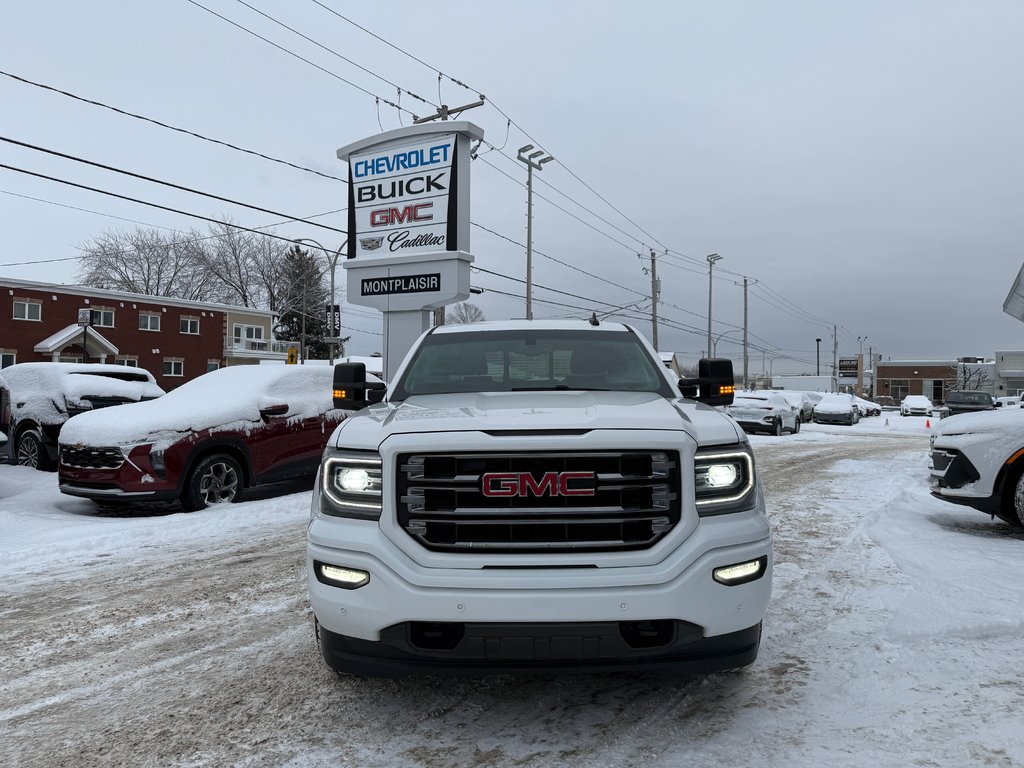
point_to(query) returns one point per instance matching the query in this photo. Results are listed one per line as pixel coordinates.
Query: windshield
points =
(982, 398)
(528, 360)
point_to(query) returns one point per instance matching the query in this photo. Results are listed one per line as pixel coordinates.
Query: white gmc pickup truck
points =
(537, 496)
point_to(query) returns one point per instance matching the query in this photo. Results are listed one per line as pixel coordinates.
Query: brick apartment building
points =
(174, 339)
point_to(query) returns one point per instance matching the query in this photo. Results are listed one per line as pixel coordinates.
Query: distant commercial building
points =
(176, 340)
(934, 378)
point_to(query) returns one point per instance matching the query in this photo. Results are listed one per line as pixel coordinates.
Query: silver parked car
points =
(764, 412)
(837, 408)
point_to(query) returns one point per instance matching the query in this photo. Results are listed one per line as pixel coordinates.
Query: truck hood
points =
(536, 411)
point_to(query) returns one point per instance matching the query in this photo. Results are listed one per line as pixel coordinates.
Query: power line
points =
(172, 185)
(544, 287)
(335, 53)
(288, 240)
(170, 127)
(302, 58)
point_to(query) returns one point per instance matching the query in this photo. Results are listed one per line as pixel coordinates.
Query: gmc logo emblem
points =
(525, 484)
(384, 217)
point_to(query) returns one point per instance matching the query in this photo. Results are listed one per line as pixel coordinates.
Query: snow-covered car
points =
(764, 412)
(978, 460)
(866, 407)
(836, 408)
(916, 405)
(206, 441)
(36, 399)
(1008, 402)
(801, 401)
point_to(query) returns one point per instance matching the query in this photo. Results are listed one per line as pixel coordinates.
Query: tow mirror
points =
(714, 384)
(351, 389)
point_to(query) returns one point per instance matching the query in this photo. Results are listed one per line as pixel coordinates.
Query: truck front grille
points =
(91, 458)
(539, 502)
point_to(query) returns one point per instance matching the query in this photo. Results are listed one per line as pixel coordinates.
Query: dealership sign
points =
(848, 366)
(409, 191)
(408, 226)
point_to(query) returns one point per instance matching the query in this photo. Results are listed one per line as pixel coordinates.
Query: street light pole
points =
(333, 260)
(712, 258)
(718, 338)
(817, 369)
(532, 163)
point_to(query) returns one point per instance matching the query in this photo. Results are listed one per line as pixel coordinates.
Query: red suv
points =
(205, 441)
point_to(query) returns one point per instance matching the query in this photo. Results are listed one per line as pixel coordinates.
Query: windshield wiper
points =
(560, 388)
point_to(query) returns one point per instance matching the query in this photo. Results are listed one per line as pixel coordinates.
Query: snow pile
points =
(229, 398)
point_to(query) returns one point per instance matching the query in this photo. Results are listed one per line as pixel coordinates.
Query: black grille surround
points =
(616, 500)
(91, 458)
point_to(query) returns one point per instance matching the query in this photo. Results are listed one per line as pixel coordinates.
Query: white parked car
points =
(836, 408)
(978, 460)
(916, 405)
(764, 412)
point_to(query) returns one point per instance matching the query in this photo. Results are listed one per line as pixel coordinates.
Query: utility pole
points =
(532, 163)
(835, 352)
(745, 333)
(655, 292)
(817, 347)
(444, 111)
(712, 258)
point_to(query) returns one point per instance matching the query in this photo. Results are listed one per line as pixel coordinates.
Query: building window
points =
(212, 365)
(103, 318)
(28, 310)
(899, 388)
(149, 321)
(190, 325)
(130, 361)
(8, 358)
(174, 366)
(249, 337)
(69, 359)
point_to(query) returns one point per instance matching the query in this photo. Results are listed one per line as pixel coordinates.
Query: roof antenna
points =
(593, 319)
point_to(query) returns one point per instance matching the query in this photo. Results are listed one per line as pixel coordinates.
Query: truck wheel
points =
(216, 479)
(1018, 501)
(777, 431)
(31, 452)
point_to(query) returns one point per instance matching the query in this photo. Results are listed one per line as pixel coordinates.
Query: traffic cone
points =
(927, 423)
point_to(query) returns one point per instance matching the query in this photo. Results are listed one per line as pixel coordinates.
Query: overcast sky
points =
(862, 162)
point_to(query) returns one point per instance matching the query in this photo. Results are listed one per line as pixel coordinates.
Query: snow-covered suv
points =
(537, 496)
(37, 398)
(978, 460)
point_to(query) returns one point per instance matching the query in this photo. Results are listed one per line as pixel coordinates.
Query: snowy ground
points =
(893, 638)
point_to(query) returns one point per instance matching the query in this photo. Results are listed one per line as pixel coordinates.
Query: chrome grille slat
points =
(635, 501)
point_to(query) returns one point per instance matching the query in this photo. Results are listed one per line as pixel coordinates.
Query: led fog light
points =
(336, 576)
(740, 573)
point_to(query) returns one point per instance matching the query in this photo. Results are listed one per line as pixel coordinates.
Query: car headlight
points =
(350, 485)
(724, 480)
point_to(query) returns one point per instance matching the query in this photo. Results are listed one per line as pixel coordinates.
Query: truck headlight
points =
(723, 480)
(350, 485)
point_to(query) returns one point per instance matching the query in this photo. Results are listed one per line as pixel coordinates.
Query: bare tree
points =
(464, 312)
(147, 261)
(963, 376)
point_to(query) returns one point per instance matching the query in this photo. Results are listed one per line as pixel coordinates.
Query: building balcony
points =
(258, 349)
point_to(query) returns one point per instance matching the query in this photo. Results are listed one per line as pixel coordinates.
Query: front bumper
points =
(834, 418)
(510, 615)
(954, 478)
(133, 480)
(496, 648)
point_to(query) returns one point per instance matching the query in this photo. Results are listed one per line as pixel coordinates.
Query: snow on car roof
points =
(42, 387)
(228, 398)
